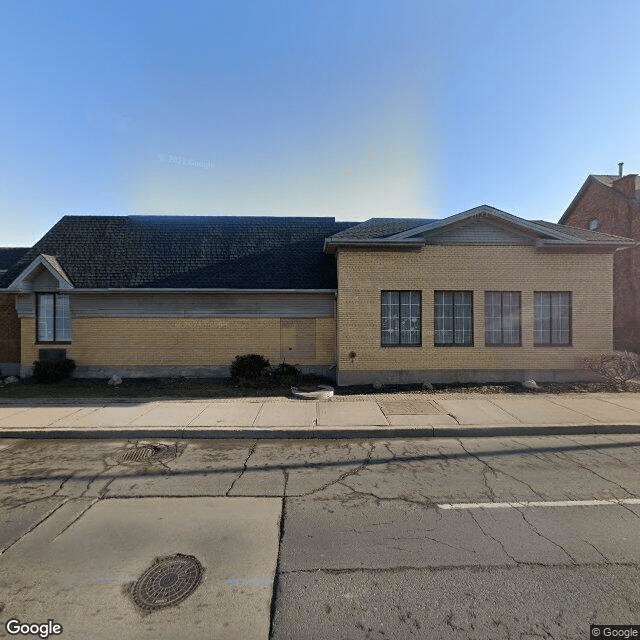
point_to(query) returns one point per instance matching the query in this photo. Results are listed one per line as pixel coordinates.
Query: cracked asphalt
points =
(425, 538)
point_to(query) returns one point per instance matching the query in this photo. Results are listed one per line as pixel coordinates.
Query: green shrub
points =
(286, 374)
(249, 369)
(52, 370)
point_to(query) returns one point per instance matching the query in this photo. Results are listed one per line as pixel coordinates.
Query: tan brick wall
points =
(363, 274)
(175, 341)
(9, 329)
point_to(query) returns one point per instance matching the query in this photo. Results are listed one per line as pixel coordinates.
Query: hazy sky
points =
(339, 108)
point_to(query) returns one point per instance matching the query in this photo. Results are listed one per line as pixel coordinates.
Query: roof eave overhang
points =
(331, 246)
(549, 246)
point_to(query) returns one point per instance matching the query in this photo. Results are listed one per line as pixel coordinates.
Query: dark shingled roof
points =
(582, 234)
(9, 256)
(190, 252)
(376, 228)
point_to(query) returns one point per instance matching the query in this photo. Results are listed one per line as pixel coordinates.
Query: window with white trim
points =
(400, 318)
(53, 317)
(453, 318)
(552, 318)
(502, 318)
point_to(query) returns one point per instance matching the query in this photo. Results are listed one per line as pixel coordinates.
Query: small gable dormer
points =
(44, 274)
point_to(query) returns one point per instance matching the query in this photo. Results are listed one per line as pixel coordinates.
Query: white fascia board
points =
(585, 243)
(41, 261)
(409, 243)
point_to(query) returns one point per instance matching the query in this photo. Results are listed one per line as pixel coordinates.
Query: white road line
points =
(549, 503)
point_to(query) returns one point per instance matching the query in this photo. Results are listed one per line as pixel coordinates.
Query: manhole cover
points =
(149, 453)
(167, 582)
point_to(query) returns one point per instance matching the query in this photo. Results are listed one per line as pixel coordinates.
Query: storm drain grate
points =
(167, 582)
(149, 453)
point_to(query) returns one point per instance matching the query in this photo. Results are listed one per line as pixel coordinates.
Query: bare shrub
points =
(616, 368)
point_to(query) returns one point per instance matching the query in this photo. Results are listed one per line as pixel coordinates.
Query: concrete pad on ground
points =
(168, 414)
(287, 414)
(475, 411)
(408, 407)
(350, 414)
(420, 420)
(38, 417)
(74, 568)
(538, 410)
(227, 414)
(597, 409)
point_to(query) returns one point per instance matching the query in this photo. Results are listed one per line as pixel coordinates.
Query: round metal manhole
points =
(148, 453)
(167, 582)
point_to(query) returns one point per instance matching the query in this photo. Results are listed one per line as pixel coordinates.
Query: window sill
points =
(402, 346)
(552, 346)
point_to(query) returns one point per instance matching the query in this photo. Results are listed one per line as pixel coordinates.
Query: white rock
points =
(377, 385)
(115, 380)
(530, 384)
(427, 385)
(11, 380)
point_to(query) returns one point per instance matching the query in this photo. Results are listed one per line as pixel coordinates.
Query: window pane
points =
(560, 318)
(63, 318)
(45, 317)
(390, 317)
(542, 317)
(492, 318)
(444, 317)
(510, 317)
(463, 319)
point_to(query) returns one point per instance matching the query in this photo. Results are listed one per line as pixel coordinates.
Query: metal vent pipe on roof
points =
(620, 164)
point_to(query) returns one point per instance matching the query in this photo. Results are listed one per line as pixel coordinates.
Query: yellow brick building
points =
(479, 296)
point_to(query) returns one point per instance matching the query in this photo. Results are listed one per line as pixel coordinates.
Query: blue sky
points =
(352, 109)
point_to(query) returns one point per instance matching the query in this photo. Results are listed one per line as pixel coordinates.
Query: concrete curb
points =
(306, 433)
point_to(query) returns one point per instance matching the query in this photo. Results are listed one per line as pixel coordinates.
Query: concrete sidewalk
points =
(403, 415)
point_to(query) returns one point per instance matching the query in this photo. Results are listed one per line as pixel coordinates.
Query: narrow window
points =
(453, 316)
(53, 317)
(552, 318)
(502, 318)
(400, 318)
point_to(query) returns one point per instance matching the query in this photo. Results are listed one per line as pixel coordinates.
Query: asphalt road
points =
(429, 538)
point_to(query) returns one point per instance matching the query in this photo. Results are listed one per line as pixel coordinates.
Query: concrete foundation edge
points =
(448, 376)
(168, 371)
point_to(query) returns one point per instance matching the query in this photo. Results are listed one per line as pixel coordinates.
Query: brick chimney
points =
(626, 184)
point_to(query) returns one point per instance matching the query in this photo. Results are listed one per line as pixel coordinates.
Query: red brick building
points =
(611, 204)
(9, 322)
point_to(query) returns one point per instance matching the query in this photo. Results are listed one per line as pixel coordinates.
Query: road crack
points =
(553, 542)
(499, 542)
(571, 459)
(345, 475)
(244, 467)
(496, 471)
